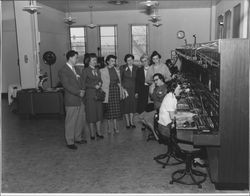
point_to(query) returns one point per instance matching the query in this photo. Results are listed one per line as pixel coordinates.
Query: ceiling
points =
(103, 5)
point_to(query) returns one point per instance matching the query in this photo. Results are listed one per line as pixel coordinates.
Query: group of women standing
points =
(126, 89)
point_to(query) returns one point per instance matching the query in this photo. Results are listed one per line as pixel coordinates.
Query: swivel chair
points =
(169, 142)
(188, 153)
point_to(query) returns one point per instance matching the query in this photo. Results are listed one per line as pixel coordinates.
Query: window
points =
(227, 25)
(236, 21)
(220, 25)
(78, 41)
(108, 40)
(139, 40)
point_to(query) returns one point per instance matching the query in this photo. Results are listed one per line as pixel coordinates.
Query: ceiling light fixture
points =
(91, 25)
(149, 6)
(157, 24)
(154, 20)
(32, 8)
(155, 17)
(118, 2)
(69, 19)
(150, 3)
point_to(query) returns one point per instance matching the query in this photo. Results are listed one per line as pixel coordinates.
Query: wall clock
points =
(180, 34)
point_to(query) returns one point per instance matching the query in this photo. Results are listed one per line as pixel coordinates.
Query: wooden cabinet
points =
(31, 102)
(233, 154)
(229, 162)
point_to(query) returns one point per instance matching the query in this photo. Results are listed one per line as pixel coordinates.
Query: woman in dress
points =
(91, 81)
(112, 87)
(141, 87)
(128, 74)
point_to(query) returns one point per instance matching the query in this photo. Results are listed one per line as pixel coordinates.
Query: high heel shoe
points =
(128, 126)
(132, 126)
(92, 137)
(99, 136)
(143, 128)
(116, 130)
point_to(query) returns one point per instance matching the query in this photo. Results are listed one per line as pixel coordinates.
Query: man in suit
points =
(73, 95)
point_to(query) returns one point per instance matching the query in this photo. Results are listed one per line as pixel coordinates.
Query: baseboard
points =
(4, 95)
(231, 186)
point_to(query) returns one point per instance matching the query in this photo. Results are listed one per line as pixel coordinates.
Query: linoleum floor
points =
(36, 160)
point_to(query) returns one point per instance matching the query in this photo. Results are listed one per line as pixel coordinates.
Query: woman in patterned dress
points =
(112, 87)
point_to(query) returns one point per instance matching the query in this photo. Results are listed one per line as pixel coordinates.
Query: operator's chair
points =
(152, 134)
(169, 142)
(188, 153)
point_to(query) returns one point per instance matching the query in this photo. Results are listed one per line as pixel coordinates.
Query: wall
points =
(1, 51)
(248, 21)
(26, 27)
(54, 34)
(162, 39)
(10, 69)
(225, 5)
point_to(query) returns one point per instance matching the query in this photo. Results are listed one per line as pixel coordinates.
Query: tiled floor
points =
(35, 160)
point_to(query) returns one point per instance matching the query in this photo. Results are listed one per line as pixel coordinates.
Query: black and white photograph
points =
(124, 97)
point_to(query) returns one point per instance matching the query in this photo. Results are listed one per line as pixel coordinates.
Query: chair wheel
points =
(171, 182)
(163, 166)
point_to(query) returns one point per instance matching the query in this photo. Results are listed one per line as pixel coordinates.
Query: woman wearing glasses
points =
(157, 96)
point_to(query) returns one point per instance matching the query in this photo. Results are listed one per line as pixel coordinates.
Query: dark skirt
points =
(165, 130)
(129, 103)
(93, 108)
(142, 101)
(112, 108)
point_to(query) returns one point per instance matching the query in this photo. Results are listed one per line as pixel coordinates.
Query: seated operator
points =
(157, 96)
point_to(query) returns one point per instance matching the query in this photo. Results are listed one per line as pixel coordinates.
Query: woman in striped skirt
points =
(112, 87)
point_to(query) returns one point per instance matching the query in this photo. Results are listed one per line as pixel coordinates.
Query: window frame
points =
(237, 9)
(220, 28)
(115, 37)
(227, 24)
(85, 37)
(147, 37)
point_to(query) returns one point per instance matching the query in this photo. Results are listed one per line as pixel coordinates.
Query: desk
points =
(31, 102)
(198, 135)
(227, 103)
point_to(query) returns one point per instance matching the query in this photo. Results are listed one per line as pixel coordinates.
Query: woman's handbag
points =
(100, 95)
